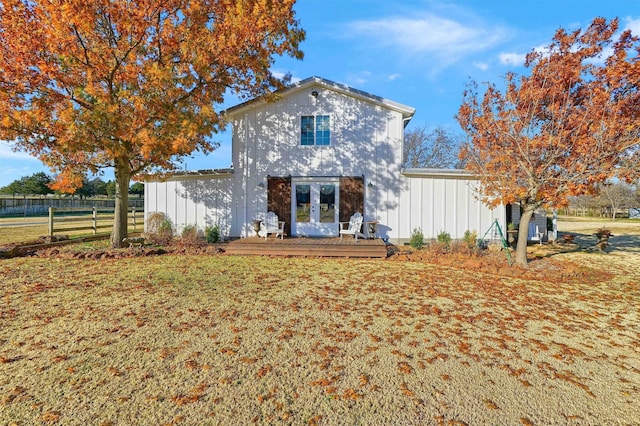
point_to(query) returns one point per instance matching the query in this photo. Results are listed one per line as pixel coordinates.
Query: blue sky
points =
(417, 52)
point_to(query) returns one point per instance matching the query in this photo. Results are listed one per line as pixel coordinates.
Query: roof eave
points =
(406, 111)
(438, 173)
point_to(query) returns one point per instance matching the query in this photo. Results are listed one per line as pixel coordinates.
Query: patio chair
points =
(271, 225)
(352, 227)
(535, 234)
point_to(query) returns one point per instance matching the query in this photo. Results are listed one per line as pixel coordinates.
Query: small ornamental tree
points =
(131, 85)
(568, 125)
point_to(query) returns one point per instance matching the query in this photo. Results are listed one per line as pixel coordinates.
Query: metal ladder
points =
(505, 246)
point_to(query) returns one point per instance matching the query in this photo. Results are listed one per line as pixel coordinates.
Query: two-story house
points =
(315, 155)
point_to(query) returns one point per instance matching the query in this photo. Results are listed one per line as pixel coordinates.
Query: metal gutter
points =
(433, 172)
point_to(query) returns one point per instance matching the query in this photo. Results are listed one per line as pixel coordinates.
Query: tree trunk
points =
(523, 234)
(120, 221)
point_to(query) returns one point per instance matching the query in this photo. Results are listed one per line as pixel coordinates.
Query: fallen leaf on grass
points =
(351, 394)
(314, 421)
(181, 400)
(263, 371)
(405, 390)
(50, 416)
(490, 404)
(364, 380)
(405, 368)
(228, 351)
(114, 371)
(13, 394)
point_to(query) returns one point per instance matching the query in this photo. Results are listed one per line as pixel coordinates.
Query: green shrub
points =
(444, 238)
(417, 239)
(212, 234)
(470, 238)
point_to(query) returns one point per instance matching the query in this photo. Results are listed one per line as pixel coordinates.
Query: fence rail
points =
(68, 219)
(29, 205)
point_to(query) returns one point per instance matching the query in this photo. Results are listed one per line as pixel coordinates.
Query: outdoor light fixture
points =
(370, 185)
(261, 185)
(314, 93)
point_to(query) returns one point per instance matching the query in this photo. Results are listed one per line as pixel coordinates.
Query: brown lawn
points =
(201, 339)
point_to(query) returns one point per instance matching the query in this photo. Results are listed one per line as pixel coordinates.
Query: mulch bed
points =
(487, 262)
(495, 262)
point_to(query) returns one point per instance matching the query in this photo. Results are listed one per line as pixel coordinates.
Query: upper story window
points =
(315, 130)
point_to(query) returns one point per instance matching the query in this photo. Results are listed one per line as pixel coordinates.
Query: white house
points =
(315, 155)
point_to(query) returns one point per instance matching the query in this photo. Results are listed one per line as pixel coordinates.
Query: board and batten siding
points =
(193, 200)
(366, 135)
(365, 140)
(440, 200)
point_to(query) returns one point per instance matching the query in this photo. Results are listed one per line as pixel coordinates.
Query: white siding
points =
(444, 203)
(366, 140)
(201, 201)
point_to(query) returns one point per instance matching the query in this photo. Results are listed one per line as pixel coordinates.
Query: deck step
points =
(314, 247)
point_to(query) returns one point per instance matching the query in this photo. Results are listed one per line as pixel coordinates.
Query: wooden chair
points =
(535, 234)
(271, 225)
(352, 227)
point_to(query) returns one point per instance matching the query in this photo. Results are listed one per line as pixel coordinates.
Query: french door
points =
(315, 208)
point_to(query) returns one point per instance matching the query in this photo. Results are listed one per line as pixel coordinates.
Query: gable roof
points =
(308, 83)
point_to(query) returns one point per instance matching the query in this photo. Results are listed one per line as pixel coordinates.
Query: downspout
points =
(245, 181)
(405, 121)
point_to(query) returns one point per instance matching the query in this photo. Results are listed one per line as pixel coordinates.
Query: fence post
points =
(133, 210)
(95, 220)
(51, 213)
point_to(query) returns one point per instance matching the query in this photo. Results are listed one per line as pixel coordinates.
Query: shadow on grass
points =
(589, 242)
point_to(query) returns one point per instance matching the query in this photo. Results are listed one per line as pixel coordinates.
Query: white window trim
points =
(314, 129)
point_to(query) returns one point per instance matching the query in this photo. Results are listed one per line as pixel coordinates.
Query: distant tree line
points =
(609, 199)
(432, 148)
(39, 184)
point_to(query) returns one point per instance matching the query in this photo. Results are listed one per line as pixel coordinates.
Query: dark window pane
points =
(307, 130)
(303, 194)
(327, 203)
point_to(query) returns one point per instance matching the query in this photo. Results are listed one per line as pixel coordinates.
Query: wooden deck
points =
(320, 247)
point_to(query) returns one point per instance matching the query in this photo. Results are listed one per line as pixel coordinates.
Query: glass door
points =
(315, 209)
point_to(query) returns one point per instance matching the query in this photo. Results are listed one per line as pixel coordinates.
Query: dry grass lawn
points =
(179, 339)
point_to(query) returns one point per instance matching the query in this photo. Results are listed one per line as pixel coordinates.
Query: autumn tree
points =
(428, 147)
(133, 85)
(556, 132)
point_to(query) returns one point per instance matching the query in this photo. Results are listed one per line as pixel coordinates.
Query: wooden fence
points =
(94, 219)
(32, 205)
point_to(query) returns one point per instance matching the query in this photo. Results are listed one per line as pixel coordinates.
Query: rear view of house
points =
(315, 155)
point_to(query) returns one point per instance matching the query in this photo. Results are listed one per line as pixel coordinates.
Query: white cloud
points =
(512, 59)
(7, 153)
(430, 35)
(282, 74)
(359, 79)
(633, 25)
(483, 66)
(394, 77)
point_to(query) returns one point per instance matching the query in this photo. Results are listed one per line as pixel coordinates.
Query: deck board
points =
(320, 247)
